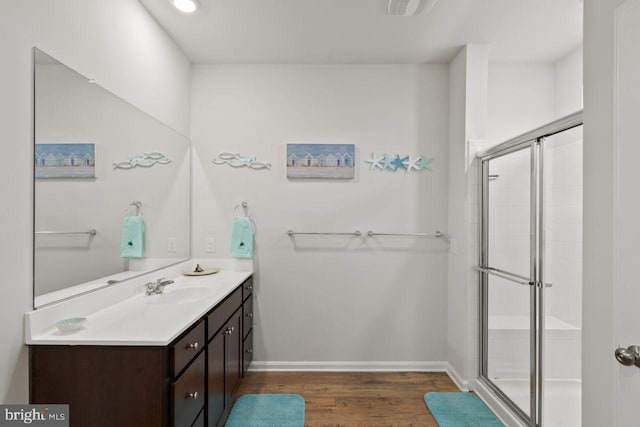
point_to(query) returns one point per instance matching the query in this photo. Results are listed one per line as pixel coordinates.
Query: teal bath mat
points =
(267, 410)
(460, 410)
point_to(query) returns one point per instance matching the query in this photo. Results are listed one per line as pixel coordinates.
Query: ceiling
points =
(360, 31)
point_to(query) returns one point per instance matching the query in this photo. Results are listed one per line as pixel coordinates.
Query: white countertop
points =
(137, 319)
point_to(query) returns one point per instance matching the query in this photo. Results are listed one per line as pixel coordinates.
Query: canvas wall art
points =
(321, 161)
(68, 161)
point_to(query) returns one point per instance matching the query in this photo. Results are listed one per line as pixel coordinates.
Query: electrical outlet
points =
(171, 244)
(210, 244)
(453, 246)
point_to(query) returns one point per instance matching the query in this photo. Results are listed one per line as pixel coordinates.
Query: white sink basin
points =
(181, 295)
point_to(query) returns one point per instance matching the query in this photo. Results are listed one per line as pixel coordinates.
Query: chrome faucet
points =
(157, 287)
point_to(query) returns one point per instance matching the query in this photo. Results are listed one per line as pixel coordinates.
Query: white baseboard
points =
(457, 379)
(258, 366)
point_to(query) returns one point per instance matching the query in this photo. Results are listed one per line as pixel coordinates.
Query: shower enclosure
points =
(530, 270)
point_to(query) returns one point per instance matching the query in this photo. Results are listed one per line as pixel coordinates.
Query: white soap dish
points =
(71, 324)
(199, 271)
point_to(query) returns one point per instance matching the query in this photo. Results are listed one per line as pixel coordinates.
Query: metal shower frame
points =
(532, 141)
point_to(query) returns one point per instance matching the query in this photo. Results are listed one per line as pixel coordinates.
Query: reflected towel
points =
(242, 238)
(132, 245)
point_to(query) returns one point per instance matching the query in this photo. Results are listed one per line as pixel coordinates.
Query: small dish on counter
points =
(71, 324)
(199, 271)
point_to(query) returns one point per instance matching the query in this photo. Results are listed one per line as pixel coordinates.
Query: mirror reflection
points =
(111, 187)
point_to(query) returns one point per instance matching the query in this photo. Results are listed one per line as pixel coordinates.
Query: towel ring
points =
(245, 208)
(138, 206)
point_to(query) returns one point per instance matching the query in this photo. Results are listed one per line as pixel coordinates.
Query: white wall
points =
(525, 96)
(467, 124)
(599, 369)
(457, 145)
(568, 83)
(330, 298)
(119, 45)
(521, 98)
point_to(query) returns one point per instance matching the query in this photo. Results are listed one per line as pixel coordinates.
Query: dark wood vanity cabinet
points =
(225, 354)
(189, 383)
(226, 348)
(188, 393)
(247, 325)
(215, 380)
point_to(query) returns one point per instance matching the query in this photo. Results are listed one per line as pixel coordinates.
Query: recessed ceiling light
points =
(186, 6)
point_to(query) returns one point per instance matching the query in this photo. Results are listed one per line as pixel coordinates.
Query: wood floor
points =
(355, 398)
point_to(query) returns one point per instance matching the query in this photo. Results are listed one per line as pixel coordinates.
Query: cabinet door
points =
(233, 355)
(215, 378)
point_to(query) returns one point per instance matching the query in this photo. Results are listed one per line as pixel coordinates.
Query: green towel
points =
(132, 245)
(242, 238)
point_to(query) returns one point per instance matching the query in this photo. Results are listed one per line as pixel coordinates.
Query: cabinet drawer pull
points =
(249, 287)
(193, 395)
(194, 346)
(229, 330)
(249, 350)
(249, 314)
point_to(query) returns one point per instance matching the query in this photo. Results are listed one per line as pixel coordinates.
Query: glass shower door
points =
(507, 267)
(530, 282)
(562, 262)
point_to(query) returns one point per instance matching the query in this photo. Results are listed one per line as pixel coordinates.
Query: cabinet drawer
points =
(187, 347)
(247, 353)
(247, 316)
(188, 393)
(223, 311)
(247, 288)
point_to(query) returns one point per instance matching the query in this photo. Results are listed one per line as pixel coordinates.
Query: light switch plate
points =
(210, 244)
(453, 246)
(171, 244)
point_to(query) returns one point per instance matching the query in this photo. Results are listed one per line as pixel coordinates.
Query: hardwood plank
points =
(354, 399)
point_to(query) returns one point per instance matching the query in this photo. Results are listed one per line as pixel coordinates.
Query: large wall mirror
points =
(111, 184)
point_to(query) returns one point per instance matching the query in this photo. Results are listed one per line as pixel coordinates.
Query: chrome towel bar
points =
(438, 234)
(370, 233)
(293, 233)
(91, 232)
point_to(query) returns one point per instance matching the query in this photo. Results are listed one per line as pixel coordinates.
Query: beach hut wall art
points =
(65, 161)
(321, 161)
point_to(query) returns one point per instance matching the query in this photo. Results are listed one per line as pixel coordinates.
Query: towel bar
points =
(91, 232)
(354, 233)
(438, 234)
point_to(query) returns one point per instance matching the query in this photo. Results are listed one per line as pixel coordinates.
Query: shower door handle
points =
(628, 356)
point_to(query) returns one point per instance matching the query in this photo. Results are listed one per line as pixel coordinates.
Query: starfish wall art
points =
(393, 163)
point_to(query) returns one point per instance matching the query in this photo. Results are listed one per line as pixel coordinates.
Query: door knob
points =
(628, 356)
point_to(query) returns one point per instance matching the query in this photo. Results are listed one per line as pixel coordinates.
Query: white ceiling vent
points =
(410, 7)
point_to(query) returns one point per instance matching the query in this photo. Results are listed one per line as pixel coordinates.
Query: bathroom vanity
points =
(173, 359)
